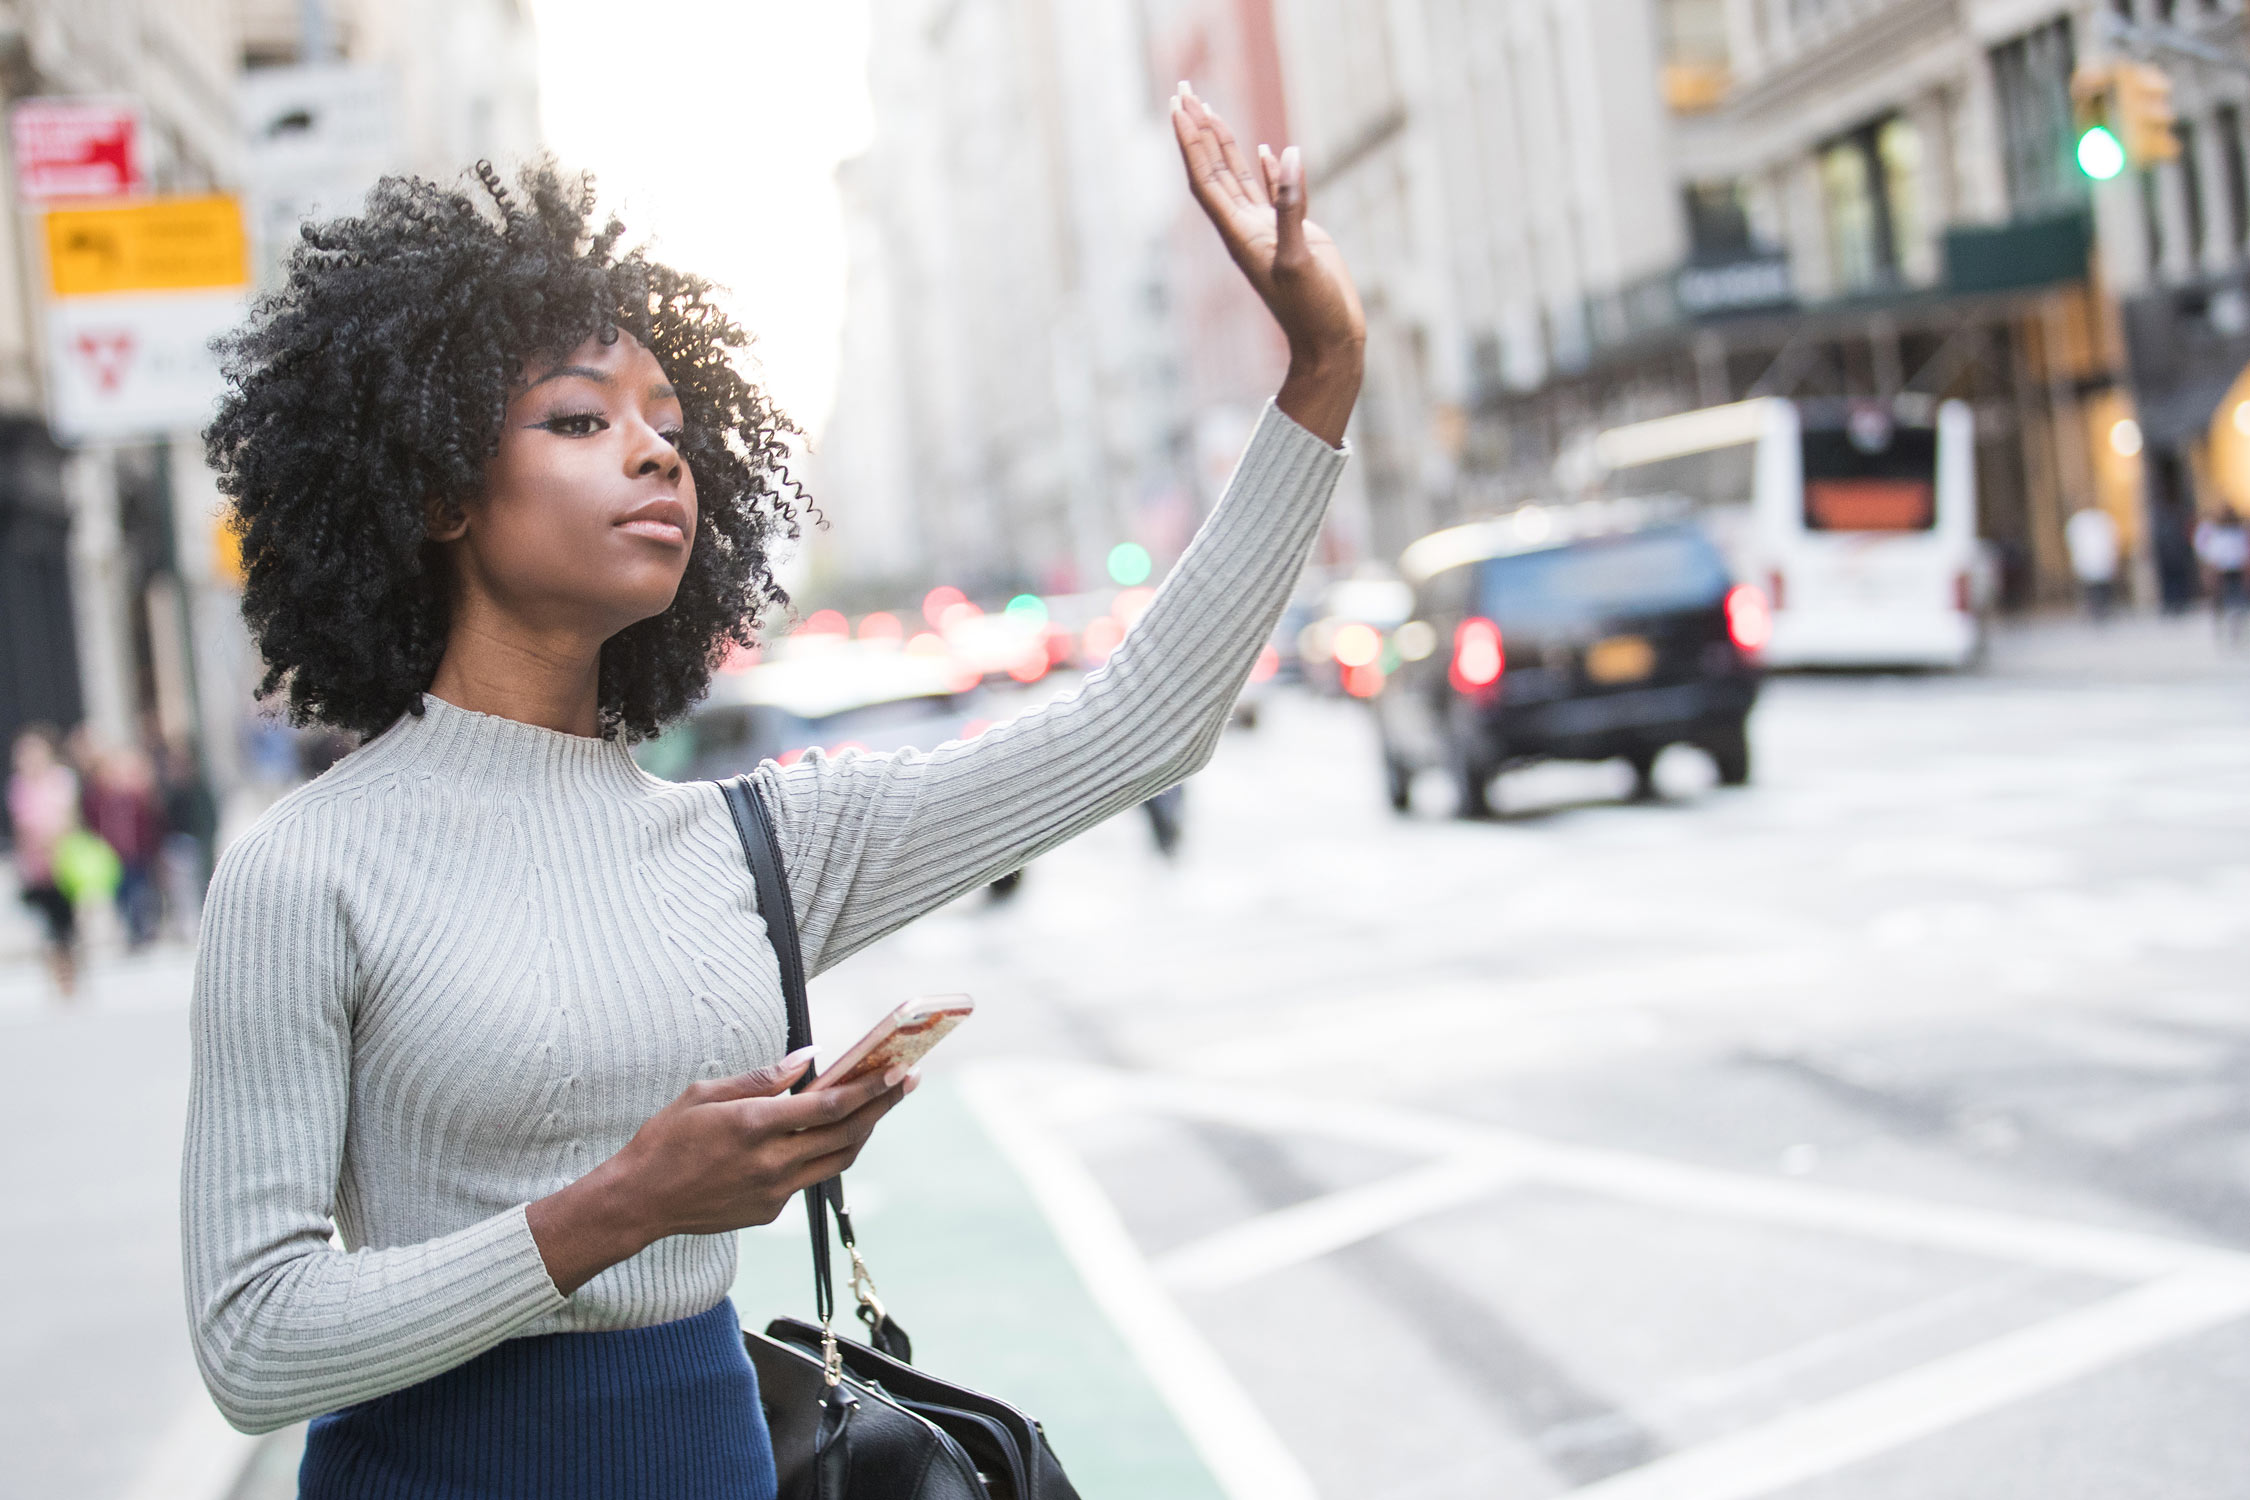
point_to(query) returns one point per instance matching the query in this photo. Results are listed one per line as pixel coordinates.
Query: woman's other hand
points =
(1259, 211)
(724, 1155)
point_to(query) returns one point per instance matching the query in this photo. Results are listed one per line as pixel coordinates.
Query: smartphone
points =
(902, 1038)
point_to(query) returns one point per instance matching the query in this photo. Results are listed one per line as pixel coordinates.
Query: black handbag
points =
(854, 1421)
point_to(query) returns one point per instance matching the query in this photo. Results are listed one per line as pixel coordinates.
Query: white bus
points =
(1857, 519)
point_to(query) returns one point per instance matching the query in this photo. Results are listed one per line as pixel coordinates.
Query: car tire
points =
(1398, 784)
(1472, 781)
(1643, 763)
(1729, 749)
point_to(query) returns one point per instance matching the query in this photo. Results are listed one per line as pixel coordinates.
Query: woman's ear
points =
(444, 520)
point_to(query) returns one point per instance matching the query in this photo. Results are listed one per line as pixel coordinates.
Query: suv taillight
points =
(1749, 617)
(1478, 656)
(1775, 589)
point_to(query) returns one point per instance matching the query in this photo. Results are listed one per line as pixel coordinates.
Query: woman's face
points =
(588, 511)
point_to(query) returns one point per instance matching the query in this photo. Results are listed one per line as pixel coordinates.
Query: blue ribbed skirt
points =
(667, 1413)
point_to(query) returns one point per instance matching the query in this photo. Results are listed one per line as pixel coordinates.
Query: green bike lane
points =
(973, 1269)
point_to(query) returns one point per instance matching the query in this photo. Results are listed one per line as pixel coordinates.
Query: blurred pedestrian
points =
(489, 1004)
(43, 809)
(191, 825)
(121, 804)
(2223, 546)
(2091, 538)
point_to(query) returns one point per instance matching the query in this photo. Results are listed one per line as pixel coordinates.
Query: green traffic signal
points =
(2099, 154)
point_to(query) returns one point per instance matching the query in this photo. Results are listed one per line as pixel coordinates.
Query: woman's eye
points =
(583, 424)
(674, 436)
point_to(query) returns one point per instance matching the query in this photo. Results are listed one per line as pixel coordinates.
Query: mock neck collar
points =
(486, 751)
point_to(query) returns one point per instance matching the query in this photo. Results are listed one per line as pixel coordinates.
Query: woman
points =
(42, 808)
(504, 503)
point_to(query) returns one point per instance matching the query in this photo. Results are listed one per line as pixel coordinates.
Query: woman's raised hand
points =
(724, 1155)
(1259, 212)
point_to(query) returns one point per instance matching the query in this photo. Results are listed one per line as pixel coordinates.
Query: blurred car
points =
(827, 693)
(1567, 639)
(1338, 650)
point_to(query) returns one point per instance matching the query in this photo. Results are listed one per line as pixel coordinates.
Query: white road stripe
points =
(1889, 1413)
(1233, 1437)
(2123, 1254)
(199, 1458)
(1305, 1231)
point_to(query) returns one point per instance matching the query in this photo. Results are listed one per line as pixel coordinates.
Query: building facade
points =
(117, 609)
(1008, 405)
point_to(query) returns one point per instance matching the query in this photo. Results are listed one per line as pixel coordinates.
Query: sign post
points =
(76, 148)
(137, 291)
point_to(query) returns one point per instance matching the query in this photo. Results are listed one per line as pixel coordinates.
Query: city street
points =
(1877, 1130)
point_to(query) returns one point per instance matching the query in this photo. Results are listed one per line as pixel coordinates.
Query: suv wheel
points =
(1472, 781)
(1729, 749)
(1643, 763)
(1398, 784)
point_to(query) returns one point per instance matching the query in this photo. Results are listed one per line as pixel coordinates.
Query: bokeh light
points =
(1129, 564)
(1356, 645)
(1027, 609)
(826, 622)
(938, 600)
(882, 626)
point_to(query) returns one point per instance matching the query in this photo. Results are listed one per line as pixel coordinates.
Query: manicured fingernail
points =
(891, 1079)
(1187, 90)
(913, 1082)
(800, 1056)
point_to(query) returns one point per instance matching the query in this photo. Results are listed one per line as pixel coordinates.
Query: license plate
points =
(1621, 658)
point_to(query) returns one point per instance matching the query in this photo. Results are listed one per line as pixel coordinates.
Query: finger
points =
(1205, 170)
(1238, 166)
(1227, 166)
(759, 1083)
(810, 1110)
(845, 1134)
(1289, 210)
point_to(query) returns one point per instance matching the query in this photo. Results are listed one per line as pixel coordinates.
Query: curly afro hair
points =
(365, 398)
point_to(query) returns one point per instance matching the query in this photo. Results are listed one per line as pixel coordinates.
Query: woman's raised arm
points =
(873, 841)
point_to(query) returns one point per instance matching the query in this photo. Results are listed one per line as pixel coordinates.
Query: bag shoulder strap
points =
(761, 847)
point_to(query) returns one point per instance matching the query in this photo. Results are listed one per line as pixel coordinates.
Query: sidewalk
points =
(2131, 647)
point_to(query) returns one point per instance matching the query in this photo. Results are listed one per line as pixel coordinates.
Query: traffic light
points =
(2144, 114)
(2124, 116)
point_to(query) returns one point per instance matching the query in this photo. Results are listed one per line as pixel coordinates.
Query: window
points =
(1718, 226)
(2234, 173)
(1869, 182)
(2191, 191)
(2152, 220)
(2031, 79)
(1871, 476)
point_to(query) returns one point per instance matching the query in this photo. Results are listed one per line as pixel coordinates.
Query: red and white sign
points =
(76, 148)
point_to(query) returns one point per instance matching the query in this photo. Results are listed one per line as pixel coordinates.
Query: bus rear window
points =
(1853, 484)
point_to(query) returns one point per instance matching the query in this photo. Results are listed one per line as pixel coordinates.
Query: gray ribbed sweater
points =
(460, 970)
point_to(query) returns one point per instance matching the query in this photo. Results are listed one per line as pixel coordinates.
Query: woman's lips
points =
(660, 521)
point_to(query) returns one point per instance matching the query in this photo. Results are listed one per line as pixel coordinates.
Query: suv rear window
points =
(1652, 572)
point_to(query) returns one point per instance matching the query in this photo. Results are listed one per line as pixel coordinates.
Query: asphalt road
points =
(1879, 1129)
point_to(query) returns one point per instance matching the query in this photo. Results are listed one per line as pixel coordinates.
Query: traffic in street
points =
(1870, 1130)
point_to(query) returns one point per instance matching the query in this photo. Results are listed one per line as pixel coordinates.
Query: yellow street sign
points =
(157, 245)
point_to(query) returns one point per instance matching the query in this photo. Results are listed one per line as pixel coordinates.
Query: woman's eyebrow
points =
(662, 392)
(582, 372)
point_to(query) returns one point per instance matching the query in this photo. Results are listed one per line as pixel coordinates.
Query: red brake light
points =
(1749, 617)
(1478, 655)
(1774, 589)
(1964, 594)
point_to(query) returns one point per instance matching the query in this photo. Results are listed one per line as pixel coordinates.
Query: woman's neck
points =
(553, 683)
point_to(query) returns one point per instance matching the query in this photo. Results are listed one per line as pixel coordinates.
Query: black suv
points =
(1530, 643)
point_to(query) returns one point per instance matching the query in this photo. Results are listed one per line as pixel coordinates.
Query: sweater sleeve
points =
(874, 841)
(285, 1325)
